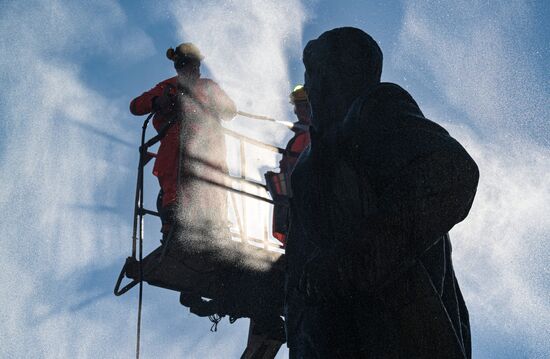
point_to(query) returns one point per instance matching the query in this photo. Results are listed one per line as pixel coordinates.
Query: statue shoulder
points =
(378, 106)
(385, 125)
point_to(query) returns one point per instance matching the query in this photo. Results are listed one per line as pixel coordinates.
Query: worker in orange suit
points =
(199, 104)
(294, 147)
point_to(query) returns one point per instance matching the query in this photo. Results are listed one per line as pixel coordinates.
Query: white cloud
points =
(64, 159)
(473, 53)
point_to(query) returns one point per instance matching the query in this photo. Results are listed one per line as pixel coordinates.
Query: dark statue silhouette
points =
(369, 270)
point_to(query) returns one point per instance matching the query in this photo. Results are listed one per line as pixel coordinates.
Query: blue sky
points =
(69, 150)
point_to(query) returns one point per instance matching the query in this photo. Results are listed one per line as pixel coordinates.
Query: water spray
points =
(290, 125)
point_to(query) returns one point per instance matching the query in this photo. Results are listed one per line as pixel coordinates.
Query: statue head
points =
(340, 64)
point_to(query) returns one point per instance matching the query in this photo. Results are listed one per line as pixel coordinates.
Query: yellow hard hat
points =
(299, 94)
(185, 50)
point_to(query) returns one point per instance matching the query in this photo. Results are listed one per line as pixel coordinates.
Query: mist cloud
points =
(247, 47)
(247, 55)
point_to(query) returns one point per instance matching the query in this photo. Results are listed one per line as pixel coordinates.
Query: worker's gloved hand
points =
(164, 104)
